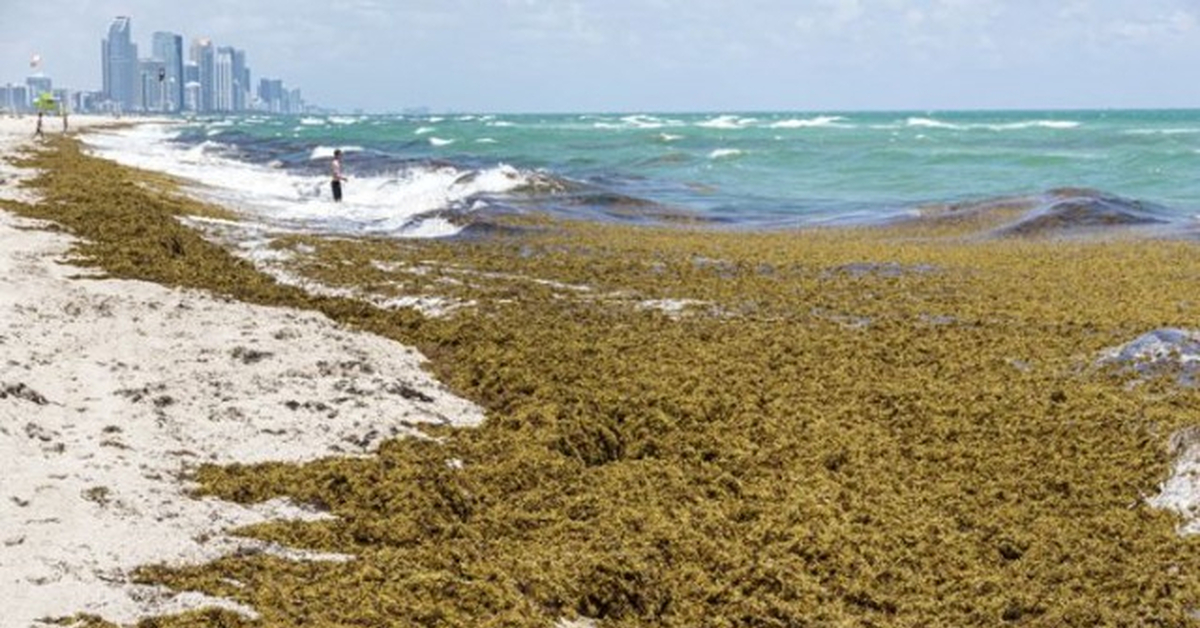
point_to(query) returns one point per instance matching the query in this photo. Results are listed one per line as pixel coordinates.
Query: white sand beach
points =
(111, 390)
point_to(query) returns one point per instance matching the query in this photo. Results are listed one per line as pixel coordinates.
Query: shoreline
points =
(901, 426)
(115, 390)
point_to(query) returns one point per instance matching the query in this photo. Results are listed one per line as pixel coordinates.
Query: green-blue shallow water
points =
(752, 169)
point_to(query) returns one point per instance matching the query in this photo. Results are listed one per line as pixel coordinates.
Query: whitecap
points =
(819, 121)
(726, 122)
(725, 153)
(326, 152)
(643, 122)
(312, 122)
(930, 123)
(425, 130)
(1033, 124)
(438, 142)
(1161, 132)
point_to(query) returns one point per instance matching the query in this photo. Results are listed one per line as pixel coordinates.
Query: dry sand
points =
(111, 390)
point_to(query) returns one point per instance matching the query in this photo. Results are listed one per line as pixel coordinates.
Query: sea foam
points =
(403, 203)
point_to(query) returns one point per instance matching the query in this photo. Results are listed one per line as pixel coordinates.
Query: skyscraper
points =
(241, 80)
(168, 47)
(39, 84)
(223, 80)
(119, 61)
(149, 91)
(191, 86)
(204, 56)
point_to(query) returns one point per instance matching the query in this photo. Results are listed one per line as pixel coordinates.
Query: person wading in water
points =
(335, 170)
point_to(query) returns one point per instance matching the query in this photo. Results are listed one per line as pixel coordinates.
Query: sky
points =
(507, 56)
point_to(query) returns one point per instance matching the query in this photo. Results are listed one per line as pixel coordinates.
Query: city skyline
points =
(209, 79)
(668, 55)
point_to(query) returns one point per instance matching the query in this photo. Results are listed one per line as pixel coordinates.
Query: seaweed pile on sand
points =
(840, 427)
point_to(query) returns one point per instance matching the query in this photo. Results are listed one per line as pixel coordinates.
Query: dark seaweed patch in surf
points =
(1060, 212)
(1070, 211)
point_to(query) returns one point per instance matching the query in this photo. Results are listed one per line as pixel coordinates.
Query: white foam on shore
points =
(114, 390)
(396, 205)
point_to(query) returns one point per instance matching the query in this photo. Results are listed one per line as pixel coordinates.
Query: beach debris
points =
(408, 392)
(886, 270)
(1162, 351)
(22, 391)
(1180, 492)
(250, 356)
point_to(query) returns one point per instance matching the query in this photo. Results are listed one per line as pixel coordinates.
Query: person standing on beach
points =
(38, 132)
(335, 168)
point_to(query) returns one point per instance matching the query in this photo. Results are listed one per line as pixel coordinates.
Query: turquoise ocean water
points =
(419, 175)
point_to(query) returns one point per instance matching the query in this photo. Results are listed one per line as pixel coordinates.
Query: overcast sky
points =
(657, 55)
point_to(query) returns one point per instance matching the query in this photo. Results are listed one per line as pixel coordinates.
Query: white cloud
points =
(1155, 28)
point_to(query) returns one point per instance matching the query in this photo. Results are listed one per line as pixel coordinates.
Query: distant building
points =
(191, 96)
(223, 81)
(204, 55)
(241, 80)
(270, 95)
(63, 98)
(202, 79)
(191, 87)
(81, 102)
(273, 97)
(119, 62)
(169, 48)
(191, 73)
(38, 84)
(14, 98)
(151, 89)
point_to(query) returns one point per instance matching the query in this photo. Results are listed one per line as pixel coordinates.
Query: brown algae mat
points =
(872, 427)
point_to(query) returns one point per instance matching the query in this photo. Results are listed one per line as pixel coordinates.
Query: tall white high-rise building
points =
(204, 55)
(119, 61)
(223, 80)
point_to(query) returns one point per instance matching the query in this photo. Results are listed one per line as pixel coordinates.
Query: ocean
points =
(430, 176)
